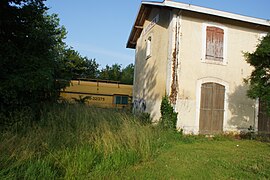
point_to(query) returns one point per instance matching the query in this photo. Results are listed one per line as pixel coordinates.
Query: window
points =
(120, 99)
(214, 43)
(148, 48)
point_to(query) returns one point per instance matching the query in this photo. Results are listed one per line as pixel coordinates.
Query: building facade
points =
(195, 56)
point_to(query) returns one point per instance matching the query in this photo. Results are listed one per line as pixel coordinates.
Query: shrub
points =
(168, 115)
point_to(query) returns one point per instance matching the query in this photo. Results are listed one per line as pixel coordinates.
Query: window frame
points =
(204, 36)
(121, 99)
(148, 47)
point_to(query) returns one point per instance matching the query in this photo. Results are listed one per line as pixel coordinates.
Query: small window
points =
(148, 47)
(214, 43)
(120, 99)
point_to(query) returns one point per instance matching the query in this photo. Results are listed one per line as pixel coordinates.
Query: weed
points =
(75, 141)
(168, 115)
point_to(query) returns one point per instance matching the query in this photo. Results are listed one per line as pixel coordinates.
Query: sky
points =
(99, 29)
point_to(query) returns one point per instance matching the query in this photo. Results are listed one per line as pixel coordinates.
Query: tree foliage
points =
(92, 68)
(259, 80)
(117, 73)
(127, 75)
(34, 56)
(111, 72)
(74, 66)
(30, 48)
(35, 62)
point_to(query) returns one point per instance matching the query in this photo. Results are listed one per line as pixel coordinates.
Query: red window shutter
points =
(210, 44)
(214, 43)
(219, 44)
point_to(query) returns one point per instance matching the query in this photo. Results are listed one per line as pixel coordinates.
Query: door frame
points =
(198, 100)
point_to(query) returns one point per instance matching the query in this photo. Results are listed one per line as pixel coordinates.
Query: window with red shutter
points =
(214, 43)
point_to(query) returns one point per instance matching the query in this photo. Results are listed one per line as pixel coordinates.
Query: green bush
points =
(168, 115)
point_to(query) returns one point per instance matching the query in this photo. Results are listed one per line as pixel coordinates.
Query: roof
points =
(146, 7)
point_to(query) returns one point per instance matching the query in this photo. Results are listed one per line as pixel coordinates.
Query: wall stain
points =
(174, 84)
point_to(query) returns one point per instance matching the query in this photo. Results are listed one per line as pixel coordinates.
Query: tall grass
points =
(71, 141)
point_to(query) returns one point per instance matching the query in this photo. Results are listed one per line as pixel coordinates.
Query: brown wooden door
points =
(263, 119)
(212, 108)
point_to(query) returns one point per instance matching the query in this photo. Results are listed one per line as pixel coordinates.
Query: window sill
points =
(207, 61)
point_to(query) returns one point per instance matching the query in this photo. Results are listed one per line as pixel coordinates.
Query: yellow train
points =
(100, 93)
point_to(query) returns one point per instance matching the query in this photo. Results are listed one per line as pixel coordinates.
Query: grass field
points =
(206, 160)
(77, 142)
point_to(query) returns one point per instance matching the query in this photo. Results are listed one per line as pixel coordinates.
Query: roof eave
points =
(214, 12)
(177, 5)
(138, 26)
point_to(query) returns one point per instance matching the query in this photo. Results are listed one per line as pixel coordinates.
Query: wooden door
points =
(263, 119)
(212, 108)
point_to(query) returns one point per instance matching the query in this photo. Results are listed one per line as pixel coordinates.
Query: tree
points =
(259, 80)
(127, 74)
(104, 73)
(30, 49)
(91, 68)
(112, 73)
(117, 73)
(74, 66)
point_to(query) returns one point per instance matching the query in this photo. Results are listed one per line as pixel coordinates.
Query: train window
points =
(120, 99)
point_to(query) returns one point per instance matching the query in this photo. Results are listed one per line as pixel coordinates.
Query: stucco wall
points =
(240, 111)
(150, 74)
(153, 76)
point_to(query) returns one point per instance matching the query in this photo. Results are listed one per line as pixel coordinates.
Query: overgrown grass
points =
(79, 142)
(75, 141)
